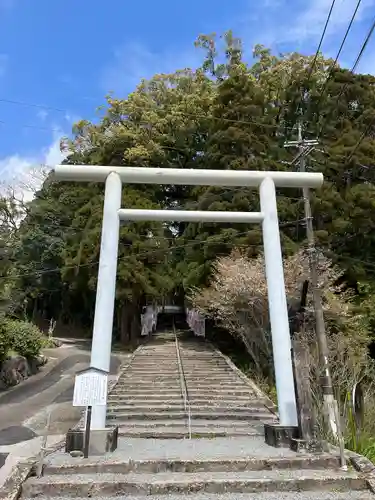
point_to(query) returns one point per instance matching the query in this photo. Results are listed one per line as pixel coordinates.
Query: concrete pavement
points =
(24, 408)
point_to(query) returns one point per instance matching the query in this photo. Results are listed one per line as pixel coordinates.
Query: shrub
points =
(5, 341)
(25, 338)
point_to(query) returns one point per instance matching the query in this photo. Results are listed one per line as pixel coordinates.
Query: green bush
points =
(25, 338)
(5, 341)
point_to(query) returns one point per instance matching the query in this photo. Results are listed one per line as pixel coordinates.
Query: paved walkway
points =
(24, 408)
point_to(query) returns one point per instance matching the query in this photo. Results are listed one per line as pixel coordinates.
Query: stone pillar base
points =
(280, 436)
(101, 441)
(304, 446)
(75, 440)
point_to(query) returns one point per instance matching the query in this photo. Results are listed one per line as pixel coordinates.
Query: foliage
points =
(237, 298)
(25, 338)
(5, 341)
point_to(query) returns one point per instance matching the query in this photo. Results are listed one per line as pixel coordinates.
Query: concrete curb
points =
(270, 405)
(192, 465)
(12, 487)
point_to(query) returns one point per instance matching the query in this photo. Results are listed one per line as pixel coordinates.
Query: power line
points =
(369, 127)
(360, 140)
(364, 45)
(333, 65)
(39, 106)
(312, 66)
(37, 127)
(321, 40)
(136, 255)
(360, 54)
(191, 243)
(32, 105)
(185, 113)
(368, 264)
(140, 107)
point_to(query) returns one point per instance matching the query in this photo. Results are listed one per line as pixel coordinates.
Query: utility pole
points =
(304, 148)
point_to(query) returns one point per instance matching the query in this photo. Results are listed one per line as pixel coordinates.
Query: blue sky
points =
(65, 55)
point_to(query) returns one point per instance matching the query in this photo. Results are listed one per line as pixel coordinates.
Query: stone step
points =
(152, 406)
(292, 495)
(183, 433)
(149, 380)
(171, 366)
(195, 376)
(118, 466)
(167, 363)
(146, 393)
(205, 385)
(176, 393)
(193, 393)
(197, 423)
(151, 357)
(88, 485)
(142, 383)
(206, 415)
(148, 375)
(157, 368)
(190, 380)
(224, 401)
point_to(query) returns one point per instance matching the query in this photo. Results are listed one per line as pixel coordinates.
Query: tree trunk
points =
(135, 322)
(125, 323)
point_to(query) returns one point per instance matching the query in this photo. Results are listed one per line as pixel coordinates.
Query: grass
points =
(360, 441)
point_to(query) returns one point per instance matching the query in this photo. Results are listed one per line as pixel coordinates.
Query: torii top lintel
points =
(192, 177)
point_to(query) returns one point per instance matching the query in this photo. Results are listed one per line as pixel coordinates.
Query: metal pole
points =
(87, 432)
(106, 287)
(278, 310)
(326, 381)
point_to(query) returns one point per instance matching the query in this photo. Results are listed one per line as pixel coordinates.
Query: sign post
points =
(87, 432)
(90, 389)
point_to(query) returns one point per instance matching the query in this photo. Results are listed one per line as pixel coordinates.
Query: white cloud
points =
(25, 174)
(297, 25)
(310, 22)
(135, 61)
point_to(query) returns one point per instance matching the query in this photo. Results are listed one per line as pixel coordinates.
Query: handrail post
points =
(183, 381)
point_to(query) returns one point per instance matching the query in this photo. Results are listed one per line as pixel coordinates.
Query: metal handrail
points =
(183, 381)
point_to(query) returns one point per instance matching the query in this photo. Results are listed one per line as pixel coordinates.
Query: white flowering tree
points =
(237, 300)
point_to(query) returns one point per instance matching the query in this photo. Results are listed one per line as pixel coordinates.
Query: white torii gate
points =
(112, 214)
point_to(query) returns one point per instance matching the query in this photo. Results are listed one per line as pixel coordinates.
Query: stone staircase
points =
(227, 459)
(148, 399)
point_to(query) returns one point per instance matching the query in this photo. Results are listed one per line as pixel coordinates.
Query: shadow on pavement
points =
(15, 434)
(3, 457)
